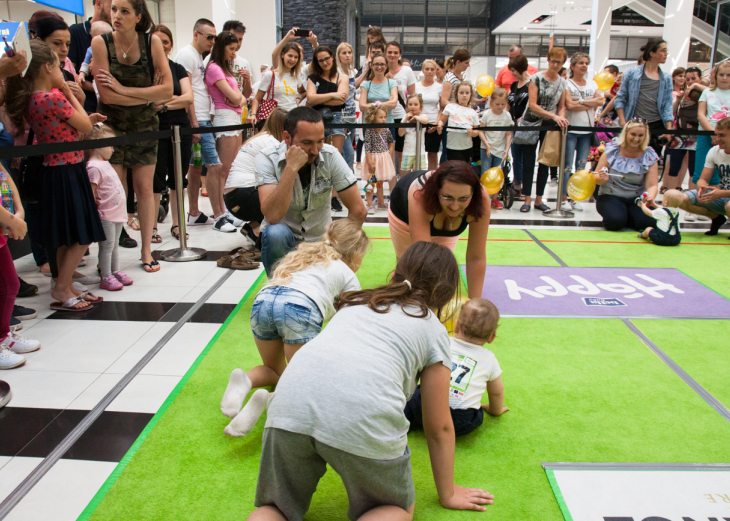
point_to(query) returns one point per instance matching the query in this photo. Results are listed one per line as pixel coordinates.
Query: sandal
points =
(243, 263)
(542, 207)
(177, 234)
(69, 305)
(88, 296)
(133, 223)
(156, 239)
(151, 267)
(525, 208)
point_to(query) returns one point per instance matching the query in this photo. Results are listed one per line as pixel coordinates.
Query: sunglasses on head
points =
(209, 37)
(640, 121)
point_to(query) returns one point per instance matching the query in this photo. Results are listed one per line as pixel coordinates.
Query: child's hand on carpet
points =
(495, 413)
(468, 499)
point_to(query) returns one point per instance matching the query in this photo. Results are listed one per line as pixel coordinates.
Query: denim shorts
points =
(335, 131)
(717, 206)
(208, 152)
(279, 312)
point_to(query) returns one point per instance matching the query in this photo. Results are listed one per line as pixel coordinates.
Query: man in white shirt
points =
(713, 201)
(241, 67)
(191, 57)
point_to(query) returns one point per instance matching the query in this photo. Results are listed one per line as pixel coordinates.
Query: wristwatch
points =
(164, 109)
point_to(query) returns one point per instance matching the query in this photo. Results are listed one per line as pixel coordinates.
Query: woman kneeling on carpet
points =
(290, 311)
(340, 401)
(437, 206)
(625, 171)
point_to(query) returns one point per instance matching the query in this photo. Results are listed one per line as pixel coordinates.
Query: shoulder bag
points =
(267, 106)
(527, 137)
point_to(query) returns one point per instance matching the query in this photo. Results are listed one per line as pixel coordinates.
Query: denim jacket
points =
(628, 94)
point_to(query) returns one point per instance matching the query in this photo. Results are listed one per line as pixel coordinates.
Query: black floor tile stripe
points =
(149, 312)
(32, 432)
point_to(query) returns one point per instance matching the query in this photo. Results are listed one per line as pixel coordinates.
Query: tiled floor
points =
(84, 356)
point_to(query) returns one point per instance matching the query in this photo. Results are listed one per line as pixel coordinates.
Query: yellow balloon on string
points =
(493, 179)
(451, 311)
(604, 80)
(581, 185)
(485, 85)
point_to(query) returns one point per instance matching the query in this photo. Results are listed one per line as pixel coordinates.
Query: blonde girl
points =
(460, 116)
(414, 107)
(290, 310)
(379, 149)
(713, 106)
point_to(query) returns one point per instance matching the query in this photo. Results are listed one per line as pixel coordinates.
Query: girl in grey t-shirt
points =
(341, 399)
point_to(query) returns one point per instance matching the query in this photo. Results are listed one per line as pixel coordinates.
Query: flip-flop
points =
(133, 223)
(542, 207)
(525, 208)
(94, 299)
(69, 305)
(149, 267)
(156, 239)
(177, 234)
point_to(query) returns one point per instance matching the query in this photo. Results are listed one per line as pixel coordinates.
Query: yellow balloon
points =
(485, 85)
(493, 179)
(450, 312)
(604, 80)
(581, 185)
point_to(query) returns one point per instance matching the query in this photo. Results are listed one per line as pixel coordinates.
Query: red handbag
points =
(268, 105)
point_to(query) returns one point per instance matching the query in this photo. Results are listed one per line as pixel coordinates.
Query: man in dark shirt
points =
(81, 41)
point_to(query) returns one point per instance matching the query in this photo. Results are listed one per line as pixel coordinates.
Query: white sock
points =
(238, 388)
(245, 421)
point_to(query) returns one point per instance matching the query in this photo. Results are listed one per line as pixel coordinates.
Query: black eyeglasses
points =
(209, 37)
(324, 60)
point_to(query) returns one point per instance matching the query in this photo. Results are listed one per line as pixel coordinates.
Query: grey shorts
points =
(292, 464)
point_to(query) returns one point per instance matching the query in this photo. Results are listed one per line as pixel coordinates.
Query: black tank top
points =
(399, 203)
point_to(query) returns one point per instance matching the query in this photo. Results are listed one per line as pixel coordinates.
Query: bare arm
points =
(538, 110)
(276, 198)
(601, 177)
(255, 105)
(79, 120)
(476, 250)
(446, 93)
(495, 391)
(231, 94)
(182, 101)
(419, 221)
(277, 50)
(356, 210)
(363, 76)
(702, 116)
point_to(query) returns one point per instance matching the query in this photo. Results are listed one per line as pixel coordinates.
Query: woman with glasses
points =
(380, 89)
(646, 93)
(625, 171)
(125, 64)
(438, 206)
(327, 91)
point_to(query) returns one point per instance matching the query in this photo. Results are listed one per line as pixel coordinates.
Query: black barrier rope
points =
(57, 148)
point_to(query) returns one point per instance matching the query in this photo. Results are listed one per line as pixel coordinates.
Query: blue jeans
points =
(348, 153)
(517, 164)
(577, 149)
(704, 144)
(208, 152)
(489, 162)
(281, 312)
(276, 241)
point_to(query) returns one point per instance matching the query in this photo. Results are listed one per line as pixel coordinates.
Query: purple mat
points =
(539, 290)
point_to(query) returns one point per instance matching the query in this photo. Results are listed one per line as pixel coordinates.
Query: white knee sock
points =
(238, 388)
(245, 421)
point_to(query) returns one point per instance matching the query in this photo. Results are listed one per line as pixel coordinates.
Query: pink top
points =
(48, 114)
(213, 74)
(110, 197)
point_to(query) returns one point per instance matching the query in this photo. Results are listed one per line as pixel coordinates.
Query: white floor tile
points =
(140, 348)
(182, 350)
(93, 394)
(145, 393)
(64, 492)
(14, 472)
(142, 293)
(4, 460)
(173, 274)
(46, 389)
(82, 346)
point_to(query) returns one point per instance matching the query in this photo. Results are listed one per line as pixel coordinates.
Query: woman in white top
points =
(581, 98)
(406, 80)
(455, 68)
(430, 92)
(287, 83)
(240, 193)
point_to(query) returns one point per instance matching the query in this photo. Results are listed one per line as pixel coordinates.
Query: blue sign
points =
(72, 6)
(606, 302)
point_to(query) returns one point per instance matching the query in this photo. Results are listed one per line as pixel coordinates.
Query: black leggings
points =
(676, 160)
(622, 212)
(529, 157)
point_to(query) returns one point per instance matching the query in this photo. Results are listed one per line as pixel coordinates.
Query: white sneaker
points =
(8, 359)
(223, 224)
(566, 207)
(576, 206)
(690, 217)
(199, 220)
(234, 220)
(702, 217)
(89, 279)
(17, 344)
(371, 210)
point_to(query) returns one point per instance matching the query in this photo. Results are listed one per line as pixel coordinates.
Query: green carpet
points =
(579, 390)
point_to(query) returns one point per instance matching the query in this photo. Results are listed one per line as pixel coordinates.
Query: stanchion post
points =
(559, 212)
(419, 137)
(183, 253)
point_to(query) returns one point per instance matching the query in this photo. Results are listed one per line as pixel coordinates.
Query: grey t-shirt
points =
(548, 95)
(646, 104)
(348, 387)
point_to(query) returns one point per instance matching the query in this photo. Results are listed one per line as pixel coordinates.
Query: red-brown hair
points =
(459, 172)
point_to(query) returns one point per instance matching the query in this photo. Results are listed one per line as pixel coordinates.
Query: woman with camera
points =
(646, 93)
(624, 173)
